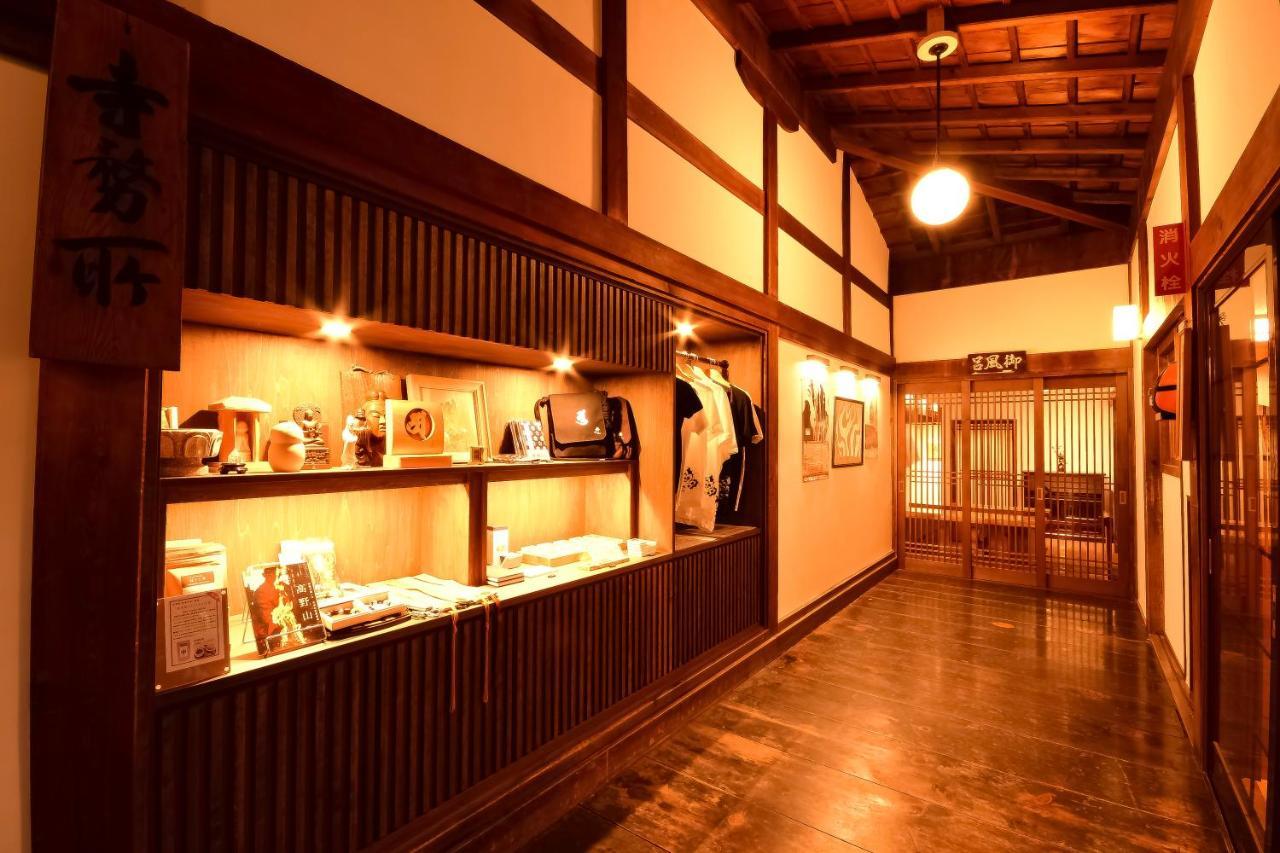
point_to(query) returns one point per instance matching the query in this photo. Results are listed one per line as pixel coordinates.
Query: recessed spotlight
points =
(335, 329)
(562, 364)
(684, 329)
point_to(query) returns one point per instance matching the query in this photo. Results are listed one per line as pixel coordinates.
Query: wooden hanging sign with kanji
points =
(993, 363)
(1169, 259)
(111, 223)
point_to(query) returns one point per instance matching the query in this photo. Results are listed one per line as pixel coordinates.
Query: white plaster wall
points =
(807, 283)
(1236, 76)
(832, 529)
(1049, 313)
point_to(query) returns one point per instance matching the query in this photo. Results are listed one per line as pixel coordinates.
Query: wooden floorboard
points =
(931, 714)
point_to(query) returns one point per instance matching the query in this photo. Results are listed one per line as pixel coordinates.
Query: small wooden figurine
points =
(371, 441)
(308, 418)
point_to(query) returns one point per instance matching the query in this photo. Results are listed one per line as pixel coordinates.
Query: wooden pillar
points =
(770, 204)
(613, 111)
(846, 243)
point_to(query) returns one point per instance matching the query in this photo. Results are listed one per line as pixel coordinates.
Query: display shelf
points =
(218, 487)
(688, 538)
(246, 663)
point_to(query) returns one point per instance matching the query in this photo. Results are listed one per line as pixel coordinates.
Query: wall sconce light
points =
(335, 329)
(561, 364)
(814, 368)
(1261, 330)
(870, 388)
(1126, 323)
(846, 383)
(684, 329)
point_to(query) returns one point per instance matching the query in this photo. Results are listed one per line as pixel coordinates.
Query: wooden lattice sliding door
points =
(1020, 481)
(931, 515)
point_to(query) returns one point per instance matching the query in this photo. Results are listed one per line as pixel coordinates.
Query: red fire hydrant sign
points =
(1169, 259)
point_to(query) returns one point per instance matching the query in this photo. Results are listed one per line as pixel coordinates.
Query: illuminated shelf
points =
(223, 487)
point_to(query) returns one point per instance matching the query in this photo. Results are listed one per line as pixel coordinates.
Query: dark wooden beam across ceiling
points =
(1062, 174)
(1127, 145)
(1044, 202)
(986, 16)
(1009, 261)
(991, 72)
(1051, 114)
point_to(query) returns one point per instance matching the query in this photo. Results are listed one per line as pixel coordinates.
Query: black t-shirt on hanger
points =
(687, 405)
(749, 432)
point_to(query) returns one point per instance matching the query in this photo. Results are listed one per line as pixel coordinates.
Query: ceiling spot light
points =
(942, 193)
(335, 329)
(684, 329)
(561, 364)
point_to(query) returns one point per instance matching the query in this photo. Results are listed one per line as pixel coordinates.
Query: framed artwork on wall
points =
(847, 435)
(815, 425)
(464, 409)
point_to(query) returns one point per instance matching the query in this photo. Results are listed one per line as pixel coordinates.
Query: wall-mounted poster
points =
(871, 424)
(815, 425)
(846, 444)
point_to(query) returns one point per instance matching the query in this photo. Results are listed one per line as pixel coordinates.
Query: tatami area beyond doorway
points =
(931, 714)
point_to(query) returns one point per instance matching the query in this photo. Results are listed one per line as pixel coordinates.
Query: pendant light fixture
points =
(942, 193)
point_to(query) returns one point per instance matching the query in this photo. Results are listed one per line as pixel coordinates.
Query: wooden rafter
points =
(1061, 174)
(962, 18)
(1131, 145)
(1043, 202)
(991, 72)
(1051, 114)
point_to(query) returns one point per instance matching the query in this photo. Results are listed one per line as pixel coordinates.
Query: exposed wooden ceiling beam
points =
(1064, 173)
(1084, 197)
(1019, 259)
(1184, 46)
(1132, 145)
(993, 218)
(986, 16)
(991, 72)
(1045, 203)
(1054, 114)
(754, 48)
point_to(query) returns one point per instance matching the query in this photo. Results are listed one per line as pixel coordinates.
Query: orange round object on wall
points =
(1164, 396)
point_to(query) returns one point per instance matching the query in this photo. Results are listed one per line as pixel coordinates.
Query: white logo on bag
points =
(581, 417)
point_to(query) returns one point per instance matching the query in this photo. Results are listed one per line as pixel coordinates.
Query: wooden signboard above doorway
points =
(111, 224)
(997, 363)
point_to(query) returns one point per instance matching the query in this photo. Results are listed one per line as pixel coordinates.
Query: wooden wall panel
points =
(263, 233)
(342, 749)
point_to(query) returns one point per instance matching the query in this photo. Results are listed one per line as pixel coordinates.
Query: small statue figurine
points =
(308, 418)
(371, 442)
(351, 435)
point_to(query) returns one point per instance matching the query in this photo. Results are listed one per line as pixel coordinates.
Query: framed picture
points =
(415, 428)
(815, 428)
(846, 444)
(464, 409)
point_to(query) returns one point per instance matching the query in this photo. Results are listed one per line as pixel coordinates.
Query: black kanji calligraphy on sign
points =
(95, 265)
(122, 101)
(122, 182)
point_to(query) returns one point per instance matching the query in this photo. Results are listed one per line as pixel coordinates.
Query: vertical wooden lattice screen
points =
(263, 233)
(1014, 481)
(341, 749)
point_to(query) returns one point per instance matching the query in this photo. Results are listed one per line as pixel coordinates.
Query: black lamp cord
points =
(937, 50)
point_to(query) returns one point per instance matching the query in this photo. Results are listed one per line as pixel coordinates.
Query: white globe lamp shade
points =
(940, 196)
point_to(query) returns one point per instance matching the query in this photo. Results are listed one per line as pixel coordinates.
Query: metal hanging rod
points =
(721, 363)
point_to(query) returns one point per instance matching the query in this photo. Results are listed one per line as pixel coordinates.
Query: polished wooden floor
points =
(931, 714)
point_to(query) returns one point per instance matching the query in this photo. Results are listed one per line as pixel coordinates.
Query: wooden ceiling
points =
(1046, 105)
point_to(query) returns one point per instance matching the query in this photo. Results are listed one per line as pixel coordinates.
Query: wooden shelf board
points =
(218, 487)
(688, 539)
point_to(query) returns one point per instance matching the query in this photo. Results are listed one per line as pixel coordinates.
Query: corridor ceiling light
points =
(1126, 323)
(561, 364)
(1261, 330)
(335, 329)
(684, 329)
(942, 193)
